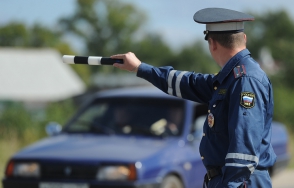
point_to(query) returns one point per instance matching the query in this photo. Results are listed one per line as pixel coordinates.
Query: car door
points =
(197, 172)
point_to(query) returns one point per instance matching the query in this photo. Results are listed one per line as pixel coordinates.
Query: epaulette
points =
(239, 71)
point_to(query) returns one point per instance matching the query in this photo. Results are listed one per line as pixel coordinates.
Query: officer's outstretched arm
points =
(184, 84)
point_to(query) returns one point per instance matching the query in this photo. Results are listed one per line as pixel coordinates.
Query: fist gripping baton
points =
(90, 60)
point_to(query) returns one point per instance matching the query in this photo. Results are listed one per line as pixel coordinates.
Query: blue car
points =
(128, 138)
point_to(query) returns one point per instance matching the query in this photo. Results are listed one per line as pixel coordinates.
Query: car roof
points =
(135, 92)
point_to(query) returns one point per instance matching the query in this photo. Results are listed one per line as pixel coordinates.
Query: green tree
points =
(197, 58)
(152, 49)
(14, 34)
(18, 35)
(111, 27)
(274, 30)
(105, 27)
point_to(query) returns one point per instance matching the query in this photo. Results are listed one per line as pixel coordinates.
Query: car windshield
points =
(130, 116)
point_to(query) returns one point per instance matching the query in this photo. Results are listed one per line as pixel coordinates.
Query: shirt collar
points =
(232, 63)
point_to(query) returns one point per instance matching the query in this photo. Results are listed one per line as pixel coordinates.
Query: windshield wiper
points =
(93, 126)
(101, 129)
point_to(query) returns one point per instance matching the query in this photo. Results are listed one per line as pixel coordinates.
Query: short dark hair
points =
(228, 40)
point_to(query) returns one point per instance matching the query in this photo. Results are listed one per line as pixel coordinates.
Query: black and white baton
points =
(90, 60)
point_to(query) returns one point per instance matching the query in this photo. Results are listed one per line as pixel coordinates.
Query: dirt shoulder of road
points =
(285, 179)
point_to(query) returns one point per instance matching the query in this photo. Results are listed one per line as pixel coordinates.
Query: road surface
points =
(285, 179)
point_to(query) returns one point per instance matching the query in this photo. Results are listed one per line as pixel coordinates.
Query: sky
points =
(173, 19)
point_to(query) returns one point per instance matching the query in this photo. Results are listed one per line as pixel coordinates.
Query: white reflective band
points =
(242, 157)
(250, 166)
(68, 59)
(178, 82)
(94, 60)
(169, 81)
(228, 26)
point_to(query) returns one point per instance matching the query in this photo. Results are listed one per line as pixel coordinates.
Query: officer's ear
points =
(212, 44)
(245, 38)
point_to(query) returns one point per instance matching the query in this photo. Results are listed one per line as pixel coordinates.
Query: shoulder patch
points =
(239, 71)
(247, 99)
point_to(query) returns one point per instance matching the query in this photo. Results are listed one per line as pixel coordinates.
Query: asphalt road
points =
(284, 179)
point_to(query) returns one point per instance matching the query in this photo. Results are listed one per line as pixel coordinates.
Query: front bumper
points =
(15, 183)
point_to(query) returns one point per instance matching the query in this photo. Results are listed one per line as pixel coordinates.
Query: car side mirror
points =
(53, 128)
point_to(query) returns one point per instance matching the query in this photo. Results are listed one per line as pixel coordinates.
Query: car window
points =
(131, 116)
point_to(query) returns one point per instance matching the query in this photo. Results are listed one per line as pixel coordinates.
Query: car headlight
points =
(116, 173)
(23, 169)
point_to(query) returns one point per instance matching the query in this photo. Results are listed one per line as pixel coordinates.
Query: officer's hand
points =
(131, 62)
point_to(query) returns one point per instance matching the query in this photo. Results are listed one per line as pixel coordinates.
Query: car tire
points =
(171, 182)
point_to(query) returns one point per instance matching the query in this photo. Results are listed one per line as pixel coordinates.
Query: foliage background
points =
(104, 27)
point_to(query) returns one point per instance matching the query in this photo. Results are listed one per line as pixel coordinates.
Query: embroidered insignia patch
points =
(210, 120)
(222, 91)
(247, 99)
(239, 71)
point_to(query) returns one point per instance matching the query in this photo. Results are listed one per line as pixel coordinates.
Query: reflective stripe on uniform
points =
(242, 157)
(169, 81)
(249, 166)
(178, 82)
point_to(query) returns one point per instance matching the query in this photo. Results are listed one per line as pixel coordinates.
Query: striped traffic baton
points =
(90, 60)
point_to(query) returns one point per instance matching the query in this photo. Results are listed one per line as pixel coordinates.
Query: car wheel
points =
(171, 182)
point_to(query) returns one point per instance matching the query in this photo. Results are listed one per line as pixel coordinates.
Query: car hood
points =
(94, 147)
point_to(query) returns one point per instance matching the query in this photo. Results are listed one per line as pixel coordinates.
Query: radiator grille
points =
(68, 171)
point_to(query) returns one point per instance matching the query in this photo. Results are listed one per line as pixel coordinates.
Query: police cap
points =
(220, 20)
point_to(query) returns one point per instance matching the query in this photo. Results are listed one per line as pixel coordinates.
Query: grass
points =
(19, 127)
(291, 150)
(7, 147)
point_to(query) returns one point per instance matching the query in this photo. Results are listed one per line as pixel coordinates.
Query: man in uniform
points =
(236, 144)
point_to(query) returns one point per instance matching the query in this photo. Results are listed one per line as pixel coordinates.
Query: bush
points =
(27, 125)
(284, 105)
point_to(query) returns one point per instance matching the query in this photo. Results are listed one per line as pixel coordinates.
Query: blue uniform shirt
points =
(237, 131)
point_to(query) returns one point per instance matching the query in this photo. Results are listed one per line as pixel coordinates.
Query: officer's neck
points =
(225, 54)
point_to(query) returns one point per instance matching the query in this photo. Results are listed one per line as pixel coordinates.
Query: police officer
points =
(236, 144)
